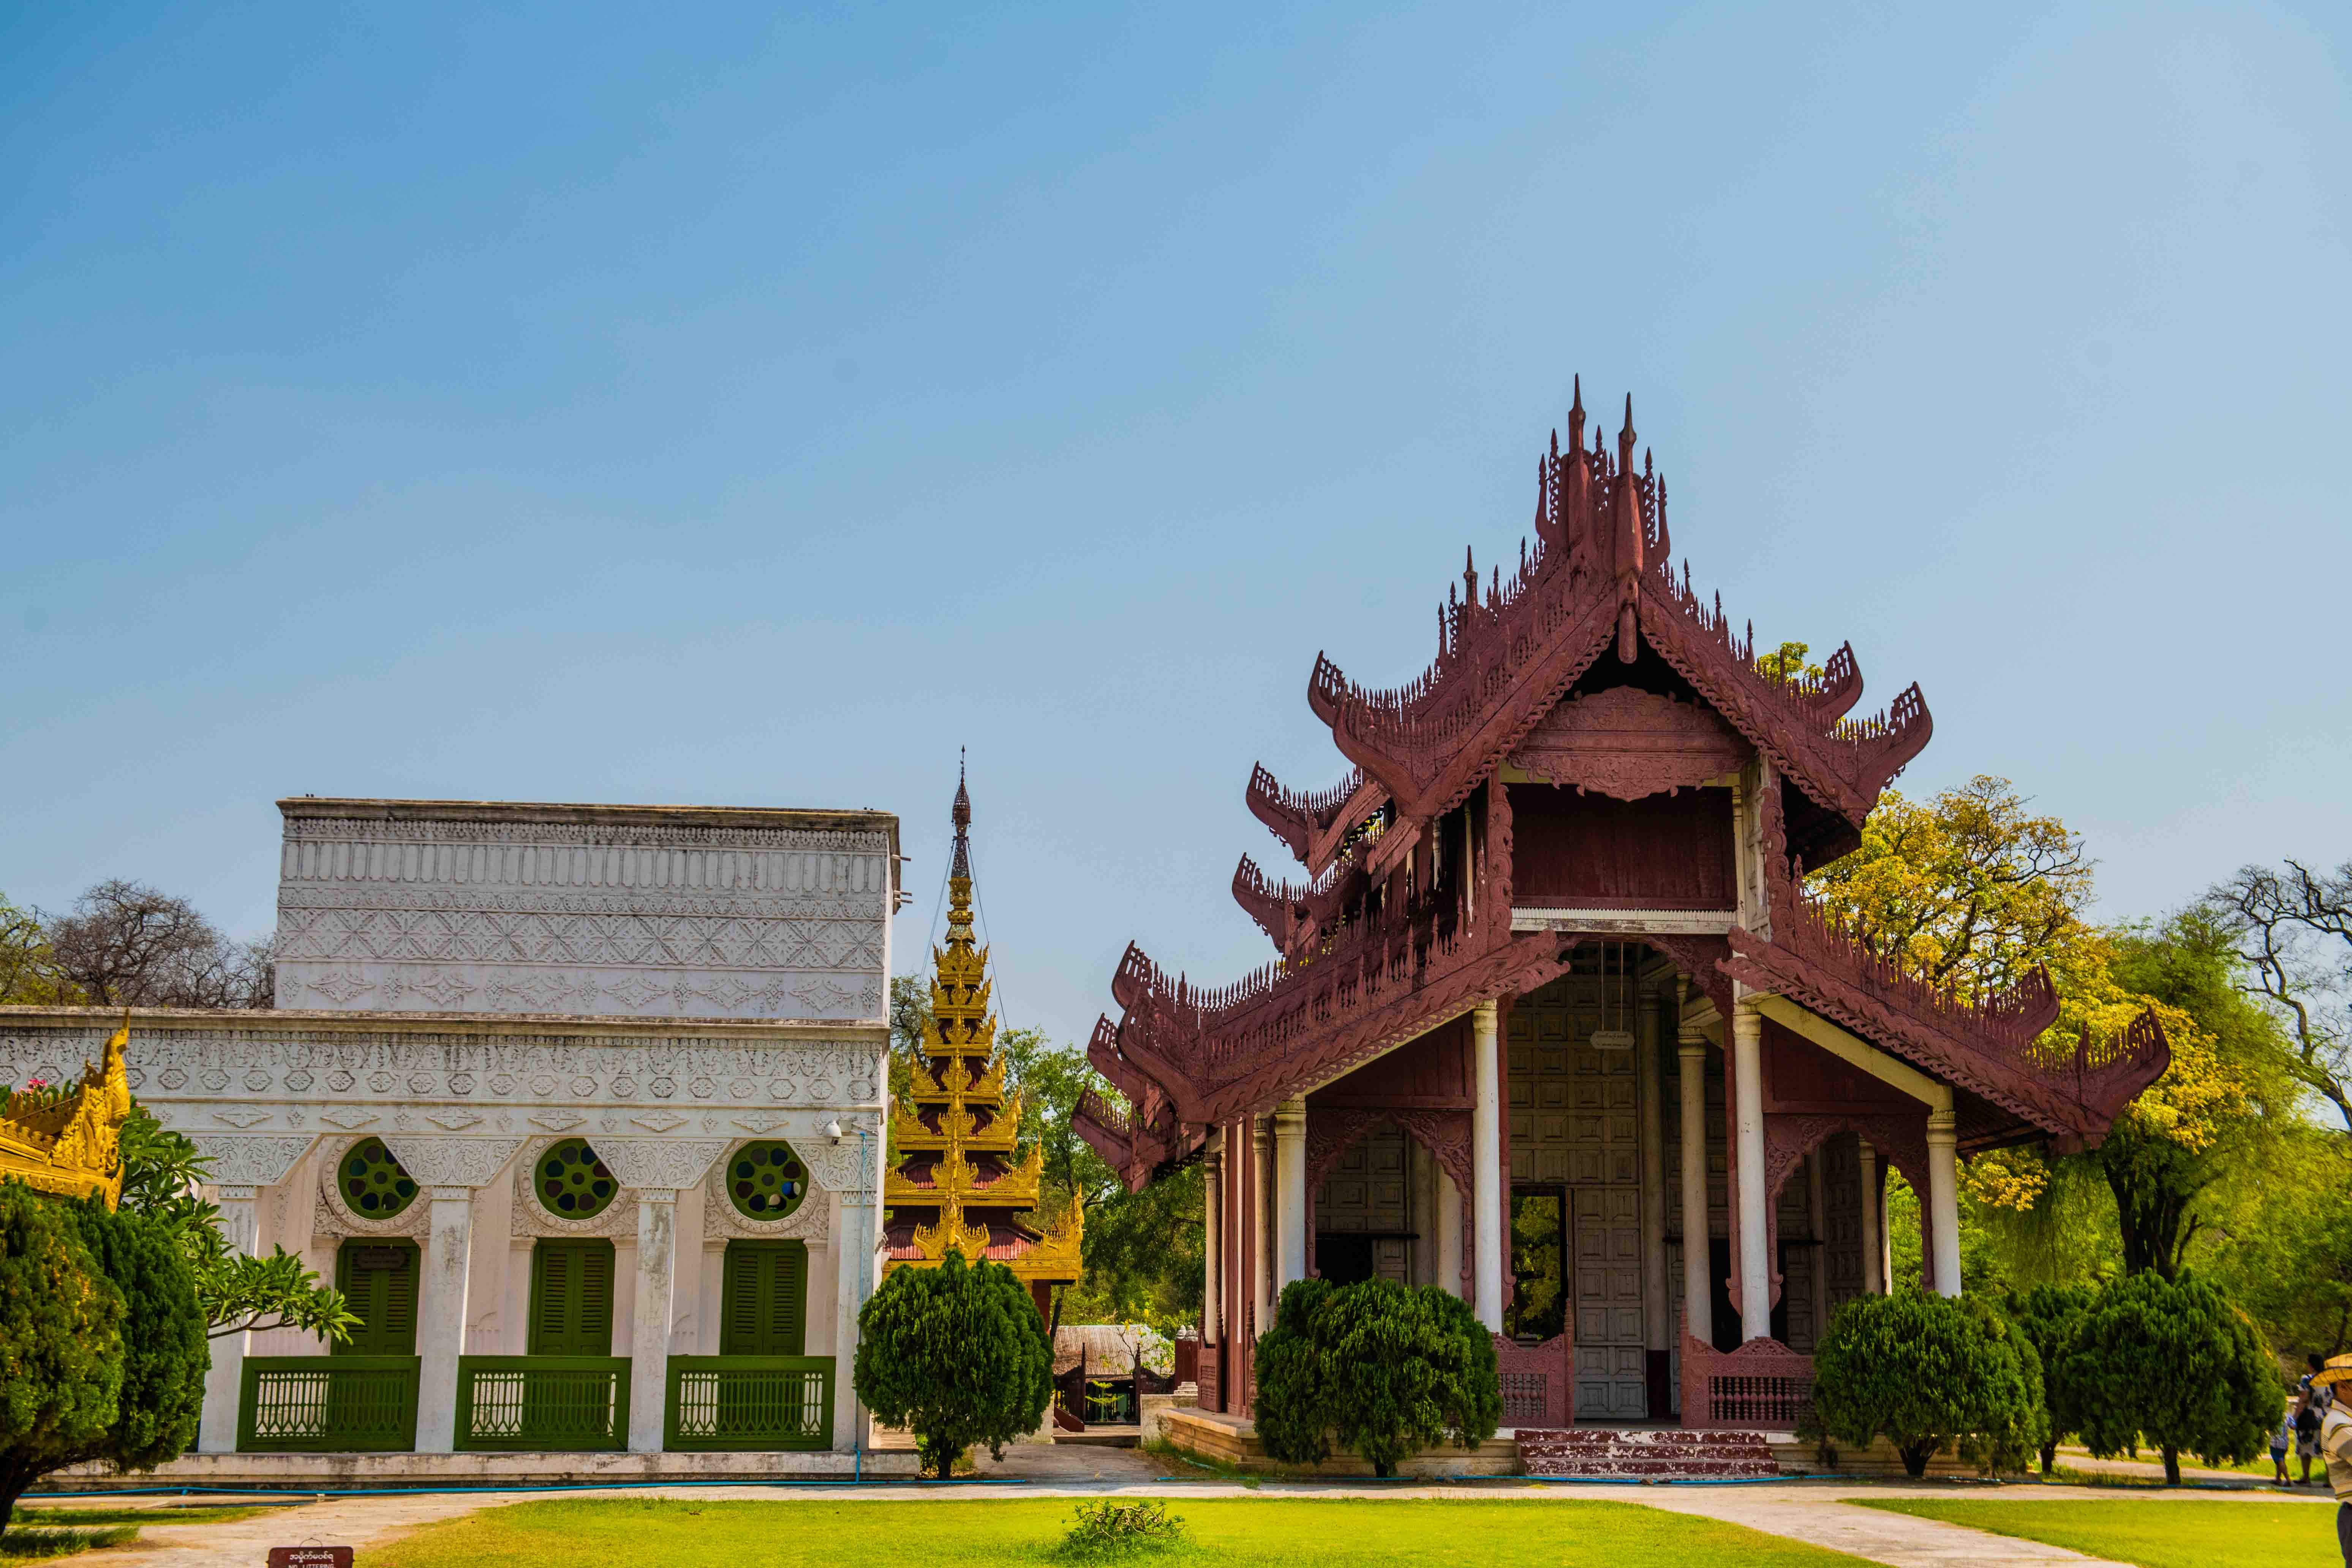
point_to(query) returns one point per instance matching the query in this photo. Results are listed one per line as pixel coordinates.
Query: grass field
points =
(1229, 1532)
(2154, 1534)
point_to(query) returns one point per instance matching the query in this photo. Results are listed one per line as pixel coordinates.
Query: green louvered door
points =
(571, 1298)
(766, 1291)
(379, 1279)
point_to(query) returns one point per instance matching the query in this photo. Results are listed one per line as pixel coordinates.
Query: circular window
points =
(767, 1181)
(372, 1182)
(572, 1181)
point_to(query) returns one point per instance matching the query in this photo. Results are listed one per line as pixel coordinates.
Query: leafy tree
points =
(1787, 662)
(28, 968)
(1385, 1370)
(957, 1355)
(1930, 1372)
(2282, 1239)
(2174, 1364)
(161, 1170)
(60, 1343)
(2050, 1316)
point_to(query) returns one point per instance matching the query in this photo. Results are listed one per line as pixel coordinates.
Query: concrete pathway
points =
(1811, 1512)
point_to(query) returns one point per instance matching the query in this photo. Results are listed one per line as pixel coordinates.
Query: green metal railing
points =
(749, 1402)
(542, 1401)
(319, 1404)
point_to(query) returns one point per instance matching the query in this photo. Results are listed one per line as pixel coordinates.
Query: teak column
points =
(1698, 1291)
(1873, 1231)
(1290, 1191)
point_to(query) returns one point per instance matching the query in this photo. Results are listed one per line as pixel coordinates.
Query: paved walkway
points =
(1811, 1512)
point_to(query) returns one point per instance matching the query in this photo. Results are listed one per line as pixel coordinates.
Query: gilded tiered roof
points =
(70, 1142)
(960, 1179)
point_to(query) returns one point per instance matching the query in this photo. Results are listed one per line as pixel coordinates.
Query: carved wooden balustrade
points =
(1997, 1047)
(1761, 1386)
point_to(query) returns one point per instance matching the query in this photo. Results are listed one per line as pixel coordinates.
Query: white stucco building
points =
(579, 1104)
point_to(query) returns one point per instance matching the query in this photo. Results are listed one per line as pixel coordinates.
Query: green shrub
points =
(1100, 1531)
(33, 1545)
(60, 1343)
(1384, 1370)
(2174, 1364)
(2050, 1316)
(957, 1355)
(1930, 1372)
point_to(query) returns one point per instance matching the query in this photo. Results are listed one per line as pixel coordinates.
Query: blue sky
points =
(727, 406)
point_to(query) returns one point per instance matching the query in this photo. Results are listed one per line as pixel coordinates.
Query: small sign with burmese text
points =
(309, 1557)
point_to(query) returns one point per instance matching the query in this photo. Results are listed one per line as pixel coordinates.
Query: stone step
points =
(1654, 1454)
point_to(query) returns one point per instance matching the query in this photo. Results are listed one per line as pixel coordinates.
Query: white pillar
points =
(1486, 1170)
(1873, 1234)
(1657, 1307)
(858, 1231)
(1212, 1181)
(1944, 1200)
(1290, 1187)
(441, 1317)
(1698, 1288)
(1749, 1200)
(223, 1383)
(649, 1316)
(1261, 1189)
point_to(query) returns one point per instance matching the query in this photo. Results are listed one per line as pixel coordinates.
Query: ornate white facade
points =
(680, 936)
(630, 912)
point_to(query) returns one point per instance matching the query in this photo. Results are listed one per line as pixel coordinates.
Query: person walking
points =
(2280, 1441)
(2307, 1398)
(2330, 1391)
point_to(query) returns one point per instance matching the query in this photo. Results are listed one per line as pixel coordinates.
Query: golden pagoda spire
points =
(959, 1181)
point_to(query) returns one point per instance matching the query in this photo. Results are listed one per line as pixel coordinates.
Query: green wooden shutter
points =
(379, 1279)
(572, 1297)
(765, 1298)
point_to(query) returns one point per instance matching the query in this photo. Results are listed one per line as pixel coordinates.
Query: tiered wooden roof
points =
(1515, 657)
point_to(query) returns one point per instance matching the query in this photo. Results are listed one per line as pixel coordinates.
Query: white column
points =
(1944, 1200)
(217, 1426)
(441, 1317)
(1749, 1201)
(1486, 1170)
(1212, 1181)
(649, 1316)
(858, 1229)
(1290, 1187)
(1873, 1234)
(1262, 1221)
(1698, 1289)
(1657, 1307)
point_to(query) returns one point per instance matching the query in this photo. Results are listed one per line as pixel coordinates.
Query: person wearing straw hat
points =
(2328, 1389)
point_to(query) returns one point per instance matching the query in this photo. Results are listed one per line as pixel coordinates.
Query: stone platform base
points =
(1801, 1457)
(1230, 1440)
(340, 1472)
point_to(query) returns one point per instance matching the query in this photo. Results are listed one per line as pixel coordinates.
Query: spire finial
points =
(960, 815)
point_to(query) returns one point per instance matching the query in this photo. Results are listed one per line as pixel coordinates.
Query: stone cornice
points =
(722, 817)
(268, 1020)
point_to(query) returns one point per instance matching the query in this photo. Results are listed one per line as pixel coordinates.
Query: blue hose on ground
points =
(312, 1492)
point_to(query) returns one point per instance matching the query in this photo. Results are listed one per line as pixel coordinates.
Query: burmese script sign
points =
(309, 1557)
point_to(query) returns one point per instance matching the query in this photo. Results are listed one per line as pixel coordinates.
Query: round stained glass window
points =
(767, 1181)
(372, 1182)
(572, 1181)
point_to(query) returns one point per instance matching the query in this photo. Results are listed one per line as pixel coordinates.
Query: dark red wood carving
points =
(1628, 742)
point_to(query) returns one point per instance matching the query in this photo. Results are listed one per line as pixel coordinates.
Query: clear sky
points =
(691, 403)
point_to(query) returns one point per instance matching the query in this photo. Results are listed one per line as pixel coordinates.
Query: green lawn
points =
(160, 1513)
(1227, 1532)
(2155, 1533)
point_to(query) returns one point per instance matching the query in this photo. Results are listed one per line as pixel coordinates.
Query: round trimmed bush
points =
(2176, 1364)
(957, 1355)
(1930, 1372)
(1383, 1369)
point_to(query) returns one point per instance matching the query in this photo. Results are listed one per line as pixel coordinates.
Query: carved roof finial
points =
(1626, 437)
(960, 815)
(1575, 419)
